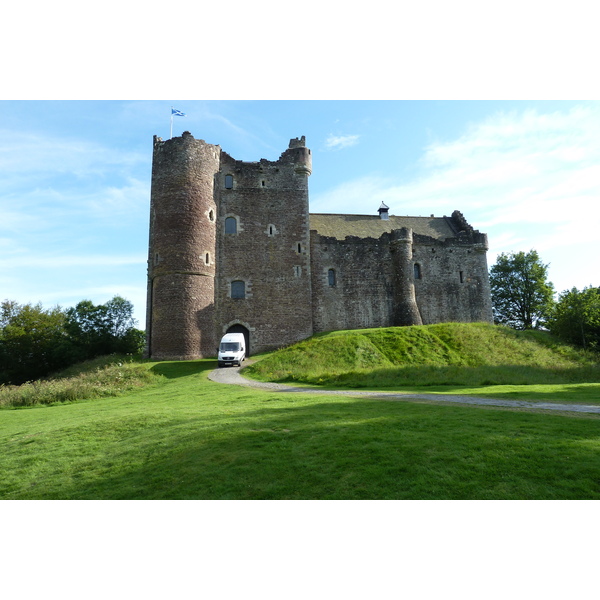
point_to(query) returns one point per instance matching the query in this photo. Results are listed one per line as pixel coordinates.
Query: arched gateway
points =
(237, 328)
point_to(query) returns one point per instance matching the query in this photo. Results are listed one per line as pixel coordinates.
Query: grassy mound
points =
(442, 354)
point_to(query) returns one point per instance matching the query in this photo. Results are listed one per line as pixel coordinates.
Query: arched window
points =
(417, 270)
(238, 289)
(228, 182)
(331, 277)
(230, 225)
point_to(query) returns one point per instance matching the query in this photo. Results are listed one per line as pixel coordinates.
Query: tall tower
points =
(263, 246)
(182, 247)
(405, 310)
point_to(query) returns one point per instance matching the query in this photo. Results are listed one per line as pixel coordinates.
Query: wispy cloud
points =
(69, 261)
(512, 168)
(37, 156)
(529, 180)
(337, 142)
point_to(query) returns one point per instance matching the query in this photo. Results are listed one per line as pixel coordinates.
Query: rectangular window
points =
(238, 290)
(230, 225)
(331, 279)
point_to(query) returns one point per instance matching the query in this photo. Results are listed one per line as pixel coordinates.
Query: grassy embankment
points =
(183, 436)
(451, 358)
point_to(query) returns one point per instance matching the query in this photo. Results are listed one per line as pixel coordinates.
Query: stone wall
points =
(360, 294)
(269, 250)
(377, 285)
(231, 247)
(453, 284)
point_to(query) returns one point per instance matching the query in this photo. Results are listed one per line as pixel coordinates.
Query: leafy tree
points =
(576, 317)
(104, 328)
(522, 297)
(33, 342)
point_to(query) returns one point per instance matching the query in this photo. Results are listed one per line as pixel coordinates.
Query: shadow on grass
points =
(457, 376)
(183, 368)
(357, 450)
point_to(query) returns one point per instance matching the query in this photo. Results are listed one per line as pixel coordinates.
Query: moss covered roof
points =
(341, 226)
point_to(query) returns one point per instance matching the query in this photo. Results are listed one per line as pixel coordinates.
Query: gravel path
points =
(232, 376)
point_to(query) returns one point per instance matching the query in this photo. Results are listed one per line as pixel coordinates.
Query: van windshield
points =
(230, 346)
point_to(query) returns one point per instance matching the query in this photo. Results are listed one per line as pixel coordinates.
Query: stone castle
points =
(233, 248)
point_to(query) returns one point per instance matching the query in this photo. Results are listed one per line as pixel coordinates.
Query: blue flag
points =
(177, 113)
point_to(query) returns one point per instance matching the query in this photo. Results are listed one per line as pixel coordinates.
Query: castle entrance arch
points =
(237, 328)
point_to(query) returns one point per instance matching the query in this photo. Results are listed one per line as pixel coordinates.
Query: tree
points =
(522, 297)
(33, 342)
(104, 328)
(576, 317)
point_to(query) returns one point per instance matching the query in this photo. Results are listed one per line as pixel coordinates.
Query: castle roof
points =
(363, 226)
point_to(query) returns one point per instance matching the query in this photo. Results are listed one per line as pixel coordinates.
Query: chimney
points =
(383, 212)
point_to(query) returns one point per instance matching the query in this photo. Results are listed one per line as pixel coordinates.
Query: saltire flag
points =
(175, 113)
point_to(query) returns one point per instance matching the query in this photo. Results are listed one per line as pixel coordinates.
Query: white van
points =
(232, 350)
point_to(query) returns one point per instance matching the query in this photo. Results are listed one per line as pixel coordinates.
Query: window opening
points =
(228, 182)
(417, 270)
(270, 229)
(230, 225)
(331, 277)
(462, 279)
(207, 258)
(299, 248)
(238, 289)
(211, 215)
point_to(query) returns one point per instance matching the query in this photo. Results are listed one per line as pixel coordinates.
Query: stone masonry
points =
(234, 248)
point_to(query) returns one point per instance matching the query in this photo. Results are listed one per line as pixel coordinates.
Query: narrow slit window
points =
(207, 259)
(331, 279)
(462, 278)
(228, 182)
(299, 248)
(230, 225)
(417, 270)
(238, 290)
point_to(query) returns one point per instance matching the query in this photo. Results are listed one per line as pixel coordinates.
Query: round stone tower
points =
(406, 311)
(181, 256)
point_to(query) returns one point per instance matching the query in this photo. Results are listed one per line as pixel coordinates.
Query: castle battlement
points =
(234, 248)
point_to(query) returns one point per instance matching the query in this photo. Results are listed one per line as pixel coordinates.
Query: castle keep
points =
(233, 248)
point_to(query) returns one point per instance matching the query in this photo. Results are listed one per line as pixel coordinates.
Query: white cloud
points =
(512, 168)
(24, 154)
(337, 142)
(69, 261)
(528, 180)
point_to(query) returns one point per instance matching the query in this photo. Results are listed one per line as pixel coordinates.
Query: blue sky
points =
(75, 178)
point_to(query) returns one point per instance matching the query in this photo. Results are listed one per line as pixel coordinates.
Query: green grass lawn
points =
(185, 437)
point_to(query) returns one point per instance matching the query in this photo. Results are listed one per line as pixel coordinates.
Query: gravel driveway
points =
(232, 376)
